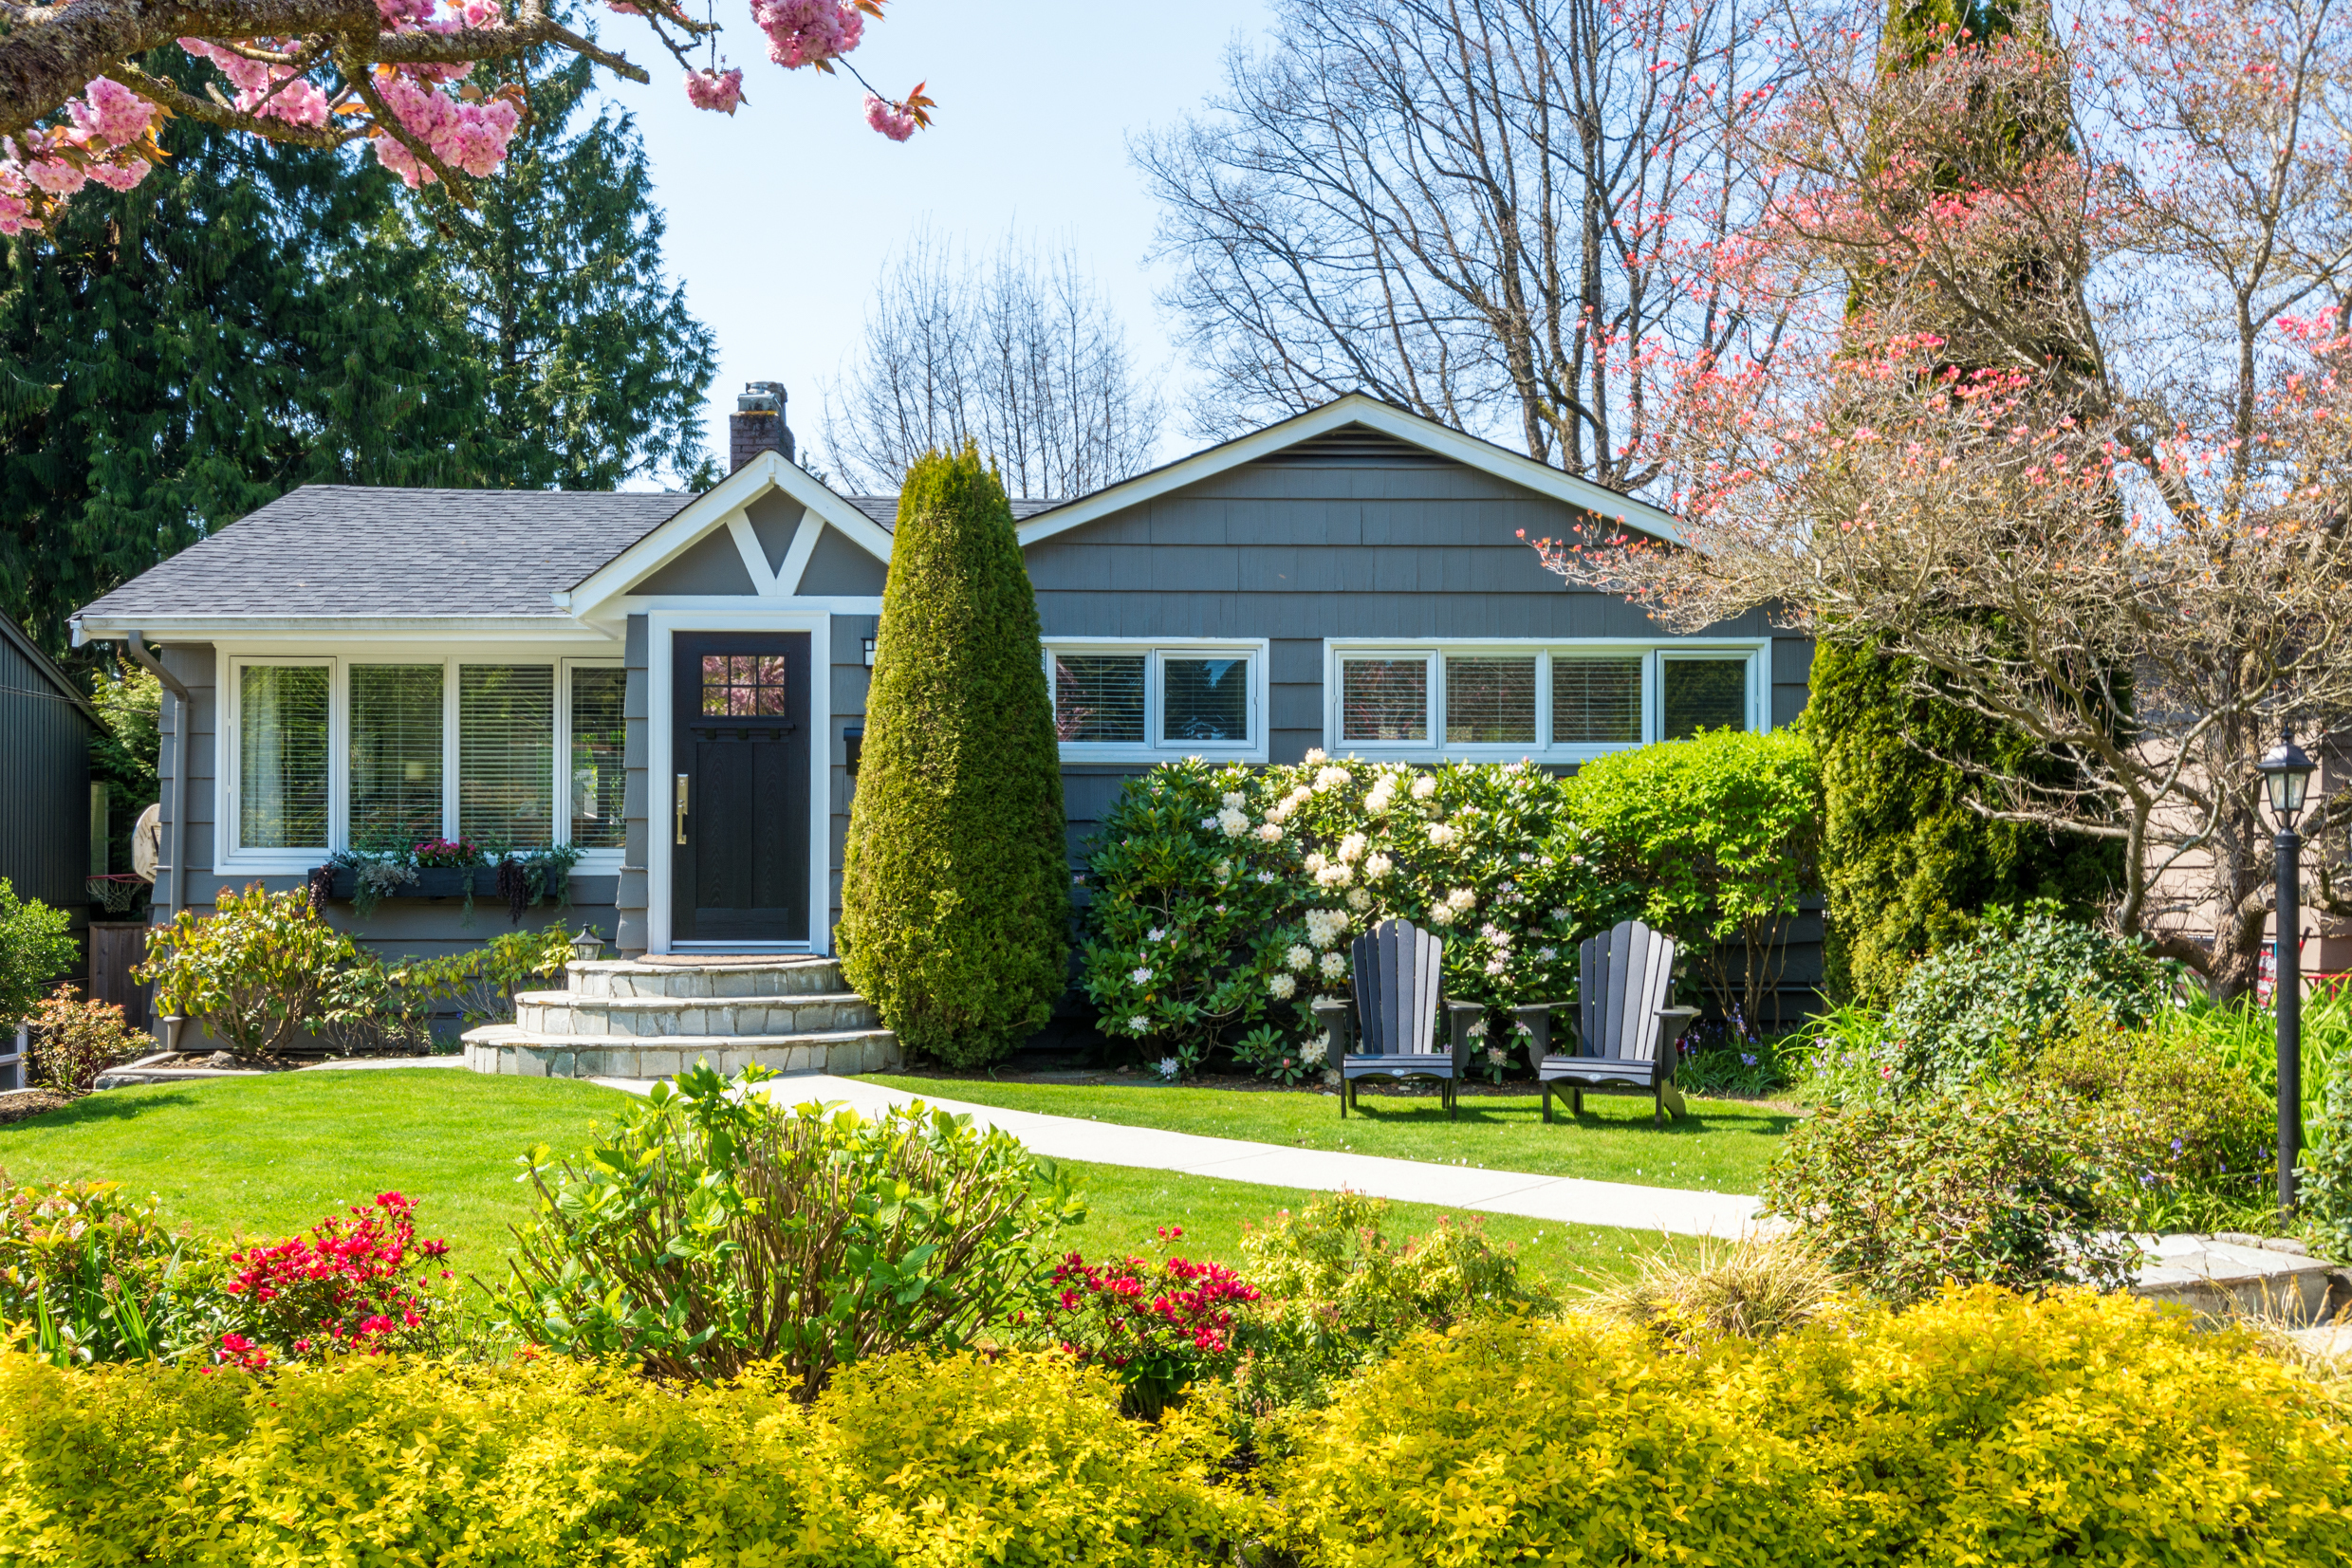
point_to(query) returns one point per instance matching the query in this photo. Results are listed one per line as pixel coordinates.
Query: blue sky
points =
(782, 215)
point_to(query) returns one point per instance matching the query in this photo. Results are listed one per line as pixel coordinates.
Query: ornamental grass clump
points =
(1752, 1288)
(717, 1230)
(1224, 898)
(955, 880)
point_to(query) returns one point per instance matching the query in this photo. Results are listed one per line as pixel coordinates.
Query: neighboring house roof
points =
(1355, 408)
(356, 550)
(61, 687)
(884, 508)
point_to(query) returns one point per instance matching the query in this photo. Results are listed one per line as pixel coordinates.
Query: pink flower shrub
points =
(719, 90)
(345, 1285)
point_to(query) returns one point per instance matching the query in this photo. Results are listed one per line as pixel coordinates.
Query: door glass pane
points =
(282, 756)
(505, 755)
(1491, 701)
(395, 755)
(1703, 693)
(744, 684)
(1099, 697)
(1205, 700)
(600, 739)
(1384, 699)
(1595, 701)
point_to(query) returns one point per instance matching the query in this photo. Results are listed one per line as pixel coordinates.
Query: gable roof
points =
(1370, 414)
(62, 687)
(355, 550)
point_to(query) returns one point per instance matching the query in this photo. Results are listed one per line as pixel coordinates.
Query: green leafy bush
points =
(2324, 1177)
(2187, 1140)
(73, 1038)
(261, 970)
(90, 1275)
(717, 1230)
(1720, 834)
(36, 946)
(2007, 1186)
(1225, 897)
(1022, 1461)
(955, 881)
(1978, 1427)
(1994, 1002)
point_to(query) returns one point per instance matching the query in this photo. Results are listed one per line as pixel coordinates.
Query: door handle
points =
(681, 808)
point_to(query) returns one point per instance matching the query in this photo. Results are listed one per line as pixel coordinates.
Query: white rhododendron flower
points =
(1495, 964)
(1266, 877)
(1495, 935)
(1358, 900)
(1298, 797)
(1440, 916)
(1382, 798)
(1424, 786)
(1270, 831)
(1353, 846)
(1315, 860)
(1140, 976)
(1462, 900)
(1441, 834)
(1139, 1024)
(1283, 986)
(1208, 824)
(1299, 956)
(1334, 876)
(1326, 926)
(1377, 867)
(1233, 801)
(1333, 778)
(1499, 1056)
(1169, 1067)
(1547, 954)
(1316, 754)
(1478, 1030)
(1334, 965)
(1225, 871)
(1232, 822)
(1313, 1053)
(1561, 916)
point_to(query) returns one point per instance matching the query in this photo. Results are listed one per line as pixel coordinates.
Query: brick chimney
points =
(757, 425)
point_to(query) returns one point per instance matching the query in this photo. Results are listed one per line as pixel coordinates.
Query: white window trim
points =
(1653, 652)
(228, 751)
(1156, 650)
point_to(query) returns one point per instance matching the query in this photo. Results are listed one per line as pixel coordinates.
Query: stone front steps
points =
(636, 1020)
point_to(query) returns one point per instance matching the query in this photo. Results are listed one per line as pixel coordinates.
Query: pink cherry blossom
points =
(887, 118)
(719, 90)
(110, 114)
(807, 32)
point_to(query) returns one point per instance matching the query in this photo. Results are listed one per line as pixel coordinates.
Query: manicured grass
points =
(1720, 1146)
(266, 1157)
(272, 1156)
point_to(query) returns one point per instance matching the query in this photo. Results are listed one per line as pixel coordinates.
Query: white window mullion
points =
(449, 749)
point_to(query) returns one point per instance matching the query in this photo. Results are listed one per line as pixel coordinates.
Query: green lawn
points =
(266, 1157)
(1720, 1146)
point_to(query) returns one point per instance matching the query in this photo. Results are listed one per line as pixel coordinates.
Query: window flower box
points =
(430, 882)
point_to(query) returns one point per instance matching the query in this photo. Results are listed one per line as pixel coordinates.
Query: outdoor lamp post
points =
(588, 945)
(2286, 774)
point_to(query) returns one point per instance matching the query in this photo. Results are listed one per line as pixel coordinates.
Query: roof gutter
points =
(135, 644)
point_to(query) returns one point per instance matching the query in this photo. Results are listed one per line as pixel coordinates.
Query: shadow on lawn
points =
(109, 1107)
(1415, 1109)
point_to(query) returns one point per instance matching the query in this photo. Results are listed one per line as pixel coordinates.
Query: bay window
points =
(1554, 702)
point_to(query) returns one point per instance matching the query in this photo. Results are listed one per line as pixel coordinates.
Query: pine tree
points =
(1905, 859)
(595, 373)
(955, 886)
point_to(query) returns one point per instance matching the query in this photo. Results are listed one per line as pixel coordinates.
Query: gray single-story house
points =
(677, 683)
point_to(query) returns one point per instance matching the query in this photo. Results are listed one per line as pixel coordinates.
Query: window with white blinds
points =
(395, 754)
(505, 755)
(282, 755)
(599, 748)
(1560, 703)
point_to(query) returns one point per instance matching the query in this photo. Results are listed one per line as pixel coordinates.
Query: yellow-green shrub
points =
(1023, 1461)
(1979, 1428)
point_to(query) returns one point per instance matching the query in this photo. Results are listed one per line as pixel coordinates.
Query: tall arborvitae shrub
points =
(1907, 865)
(955, 887)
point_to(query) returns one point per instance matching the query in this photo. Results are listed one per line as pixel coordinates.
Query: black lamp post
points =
(2286, 774)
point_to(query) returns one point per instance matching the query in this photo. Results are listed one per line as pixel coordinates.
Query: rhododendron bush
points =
(2048, 390)
(1225, 897)
(419, 80)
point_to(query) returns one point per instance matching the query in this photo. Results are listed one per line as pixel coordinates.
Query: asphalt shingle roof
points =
(360, 550)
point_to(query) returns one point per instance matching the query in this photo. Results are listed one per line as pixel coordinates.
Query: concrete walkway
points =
(1566, 1199)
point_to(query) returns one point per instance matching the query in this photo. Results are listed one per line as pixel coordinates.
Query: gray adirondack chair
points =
(1627, 1038)
(1389, 1030)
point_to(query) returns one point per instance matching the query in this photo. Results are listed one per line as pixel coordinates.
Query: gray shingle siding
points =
(358, 550)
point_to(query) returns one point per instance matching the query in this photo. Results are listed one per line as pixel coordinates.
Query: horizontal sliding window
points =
(1145, 702)
(395, 755)
(1565, 702)
(282, 756)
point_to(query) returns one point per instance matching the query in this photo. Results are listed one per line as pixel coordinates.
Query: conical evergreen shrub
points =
(955, 885)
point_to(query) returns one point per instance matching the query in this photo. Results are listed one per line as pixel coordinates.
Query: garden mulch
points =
(23, 1104)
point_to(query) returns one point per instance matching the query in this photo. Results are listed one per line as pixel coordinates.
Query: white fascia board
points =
(1357, 409)
(244, 629)
(593, 596)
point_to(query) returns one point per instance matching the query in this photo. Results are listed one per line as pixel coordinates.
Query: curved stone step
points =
(509, 1049)
(799, 976)
(571, 1013)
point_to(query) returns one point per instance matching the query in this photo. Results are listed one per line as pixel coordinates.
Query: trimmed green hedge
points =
(1978, 1427)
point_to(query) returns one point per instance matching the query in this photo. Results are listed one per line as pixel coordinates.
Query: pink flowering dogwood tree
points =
(2064, 417)
(408, 77)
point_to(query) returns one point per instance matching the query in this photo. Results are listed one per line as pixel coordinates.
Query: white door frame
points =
(659, 626)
